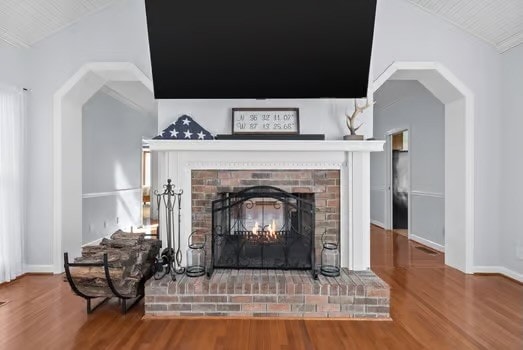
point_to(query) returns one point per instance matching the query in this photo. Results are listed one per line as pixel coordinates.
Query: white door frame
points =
(459, 177)
(389, 223)
(67, 149)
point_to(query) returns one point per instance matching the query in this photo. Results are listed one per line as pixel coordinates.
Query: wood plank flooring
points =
(433, 307)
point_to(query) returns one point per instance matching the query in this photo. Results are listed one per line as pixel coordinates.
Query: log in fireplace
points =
(263, 227)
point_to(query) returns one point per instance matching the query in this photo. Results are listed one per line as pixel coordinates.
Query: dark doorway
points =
(400, 181)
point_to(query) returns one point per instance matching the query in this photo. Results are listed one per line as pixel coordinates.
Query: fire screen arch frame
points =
(236, 244)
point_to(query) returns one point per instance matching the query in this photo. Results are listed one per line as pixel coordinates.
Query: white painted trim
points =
(428, 243)
(107, 71)
(38, 268)
(469, 142)
(427, 194)
(265, 145)
(378, 223)
(397, 130)
(501, 270)
(111, 193)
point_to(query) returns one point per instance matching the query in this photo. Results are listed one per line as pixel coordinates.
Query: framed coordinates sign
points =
(265, 121)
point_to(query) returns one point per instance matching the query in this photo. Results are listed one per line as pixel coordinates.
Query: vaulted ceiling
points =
(25, 22)
(498, 22)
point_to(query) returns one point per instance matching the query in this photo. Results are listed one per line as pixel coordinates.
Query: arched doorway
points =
(459, 153)
(67, 148)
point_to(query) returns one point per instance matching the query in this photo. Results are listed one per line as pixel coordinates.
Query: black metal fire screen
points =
(263, 227)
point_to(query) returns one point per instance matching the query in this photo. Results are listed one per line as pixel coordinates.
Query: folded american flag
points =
(185, 128)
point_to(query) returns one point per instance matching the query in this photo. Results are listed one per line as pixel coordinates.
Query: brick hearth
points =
(270, 293)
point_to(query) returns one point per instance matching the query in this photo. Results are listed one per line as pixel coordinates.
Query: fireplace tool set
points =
(170, 259)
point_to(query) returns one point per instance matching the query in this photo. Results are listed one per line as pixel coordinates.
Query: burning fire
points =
(268, 231)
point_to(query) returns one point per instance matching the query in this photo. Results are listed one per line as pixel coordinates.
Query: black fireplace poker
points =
(170, 259)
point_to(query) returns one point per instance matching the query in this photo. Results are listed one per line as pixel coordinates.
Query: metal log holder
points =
(126, 302)
(170, 260)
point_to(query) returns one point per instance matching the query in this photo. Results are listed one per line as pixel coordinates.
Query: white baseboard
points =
(501, 270)
(433, 245)
(38, 268)
(378, 223)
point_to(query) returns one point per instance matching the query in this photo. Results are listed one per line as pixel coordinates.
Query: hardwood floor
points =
(433, 307)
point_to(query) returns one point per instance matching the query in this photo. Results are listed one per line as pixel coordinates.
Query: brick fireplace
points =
(335, 175)
(324, 185)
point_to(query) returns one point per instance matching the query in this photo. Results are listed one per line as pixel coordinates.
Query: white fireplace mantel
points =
(177, 159)
(265, 145)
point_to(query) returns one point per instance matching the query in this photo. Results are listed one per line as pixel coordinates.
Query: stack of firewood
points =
(130, 259)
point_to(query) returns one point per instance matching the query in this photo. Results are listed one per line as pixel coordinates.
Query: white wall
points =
(111, 165)
(403, 32)
(408, 104)
(511, 244)
(13, 67)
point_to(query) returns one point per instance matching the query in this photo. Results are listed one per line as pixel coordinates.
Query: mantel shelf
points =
(265, 145)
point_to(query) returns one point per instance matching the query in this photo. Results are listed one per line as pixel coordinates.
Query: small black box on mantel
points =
(273, 137)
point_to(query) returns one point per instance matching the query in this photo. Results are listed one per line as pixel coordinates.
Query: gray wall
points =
(407, 104)
(112, 135)
(511, 245)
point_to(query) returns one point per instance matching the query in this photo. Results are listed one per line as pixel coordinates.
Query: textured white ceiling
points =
(25, 22)
(498, 22)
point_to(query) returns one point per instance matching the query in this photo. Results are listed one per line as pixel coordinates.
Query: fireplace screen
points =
(263, 227)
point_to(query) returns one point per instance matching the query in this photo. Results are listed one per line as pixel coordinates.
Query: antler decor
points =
(351, 119)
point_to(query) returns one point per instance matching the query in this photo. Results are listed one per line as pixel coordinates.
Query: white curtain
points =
(12, 132)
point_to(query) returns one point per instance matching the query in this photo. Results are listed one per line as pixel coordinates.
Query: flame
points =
(268, 231)
(272, 230)
(255, 229)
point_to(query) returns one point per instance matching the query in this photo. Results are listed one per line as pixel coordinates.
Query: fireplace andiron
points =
(170, 259)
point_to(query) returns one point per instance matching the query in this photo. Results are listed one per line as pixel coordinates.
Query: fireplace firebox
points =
(263, 227)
